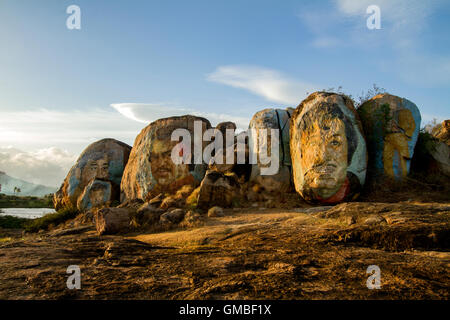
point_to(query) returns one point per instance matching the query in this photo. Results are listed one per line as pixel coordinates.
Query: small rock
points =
(112, 220)
(172, 202)
(174, 216)
(350, 220)
(192, 217)
(215, 212)
(375, 220)
(157, 200)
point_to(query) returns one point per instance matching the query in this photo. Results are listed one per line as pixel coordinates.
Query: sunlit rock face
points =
(442, 132)
(150, 170)
(268, 119)
(95, 178)
(391, 125)
(328, 150)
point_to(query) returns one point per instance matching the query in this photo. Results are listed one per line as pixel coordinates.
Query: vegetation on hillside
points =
(26, 202)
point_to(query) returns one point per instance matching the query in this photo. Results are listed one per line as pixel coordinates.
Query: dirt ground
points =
(302, 253)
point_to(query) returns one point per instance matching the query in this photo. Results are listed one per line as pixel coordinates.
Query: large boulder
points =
(391, 125)
(218, 189)
(151, 171)
(431, 156)
(95, 178)
(264, 121)
(328, 150)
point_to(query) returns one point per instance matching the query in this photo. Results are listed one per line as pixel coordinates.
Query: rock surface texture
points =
(245, 255)
(95, 178)
(151, 171)
(218, 189)
(442, 132)
(391, 125)
(328, 150)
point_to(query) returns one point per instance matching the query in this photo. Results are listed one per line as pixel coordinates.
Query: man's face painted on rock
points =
(96, 169)
(324, 151)
(162, 166)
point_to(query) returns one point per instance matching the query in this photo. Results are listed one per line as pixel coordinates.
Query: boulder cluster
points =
(326, 150)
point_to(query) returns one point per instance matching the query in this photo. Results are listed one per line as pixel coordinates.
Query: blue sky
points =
(135, 61)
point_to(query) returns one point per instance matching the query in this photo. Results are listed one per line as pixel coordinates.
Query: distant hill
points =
(26, 188)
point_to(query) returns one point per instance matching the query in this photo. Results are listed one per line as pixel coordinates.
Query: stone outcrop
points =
(217, 189)
(150, 170)
(95, 178)
(112, 220)
(442, 132)
(328, 150)
(391, 125)
(268, 119)
(431, 156)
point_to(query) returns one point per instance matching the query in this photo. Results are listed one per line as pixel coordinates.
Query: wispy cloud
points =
(149, 112)
(46, 166)
(72, 130)
(267, 83)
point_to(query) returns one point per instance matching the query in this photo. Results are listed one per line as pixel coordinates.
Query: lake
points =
(29, 213)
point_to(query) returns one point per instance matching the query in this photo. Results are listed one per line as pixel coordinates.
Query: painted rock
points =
(151, 171)
(278, 178)
(391, 125)
(95, 178)
(96, 194)
(328, 150)
(442, 132)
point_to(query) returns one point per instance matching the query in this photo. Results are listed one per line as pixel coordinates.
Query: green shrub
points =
(10, 222)
(51, 219)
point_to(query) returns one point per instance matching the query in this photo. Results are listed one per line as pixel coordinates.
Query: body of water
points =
(29, 213)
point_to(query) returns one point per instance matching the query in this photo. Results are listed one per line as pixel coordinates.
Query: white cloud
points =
(403, 24)
(149, 112)
(72, 130)
(268, 83)
(46, 166)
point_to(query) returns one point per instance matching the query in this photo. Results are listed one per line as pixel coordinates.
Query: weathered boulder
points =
(391, 126)
(112, 220)
(442, 132)
(217, 189)
(96, 194)
(151, 171)
(147, 214)
(215, 212)
(95, 178)
(328, 150)
(172, 217)
(262, 123)
(223, 126)
(431, 156)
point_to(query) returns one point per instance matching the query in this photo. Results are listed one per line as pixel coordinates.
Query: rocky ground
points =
(301, 253)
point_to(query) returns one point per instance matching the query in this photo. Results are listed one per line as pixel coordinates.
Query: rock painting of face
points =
(162, 167)
(97, 195)
(324, 156)
(95, 169)
(327, 149)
